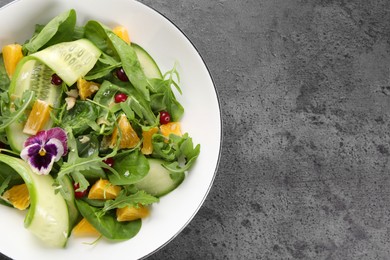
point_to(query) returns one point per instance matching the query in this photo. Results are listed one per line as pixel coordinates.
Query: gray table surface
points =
(304, 89)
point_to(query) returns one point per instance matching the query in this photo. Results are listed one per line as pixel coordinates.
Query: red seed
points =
(79, 194)
(165, 117)
(109, 161)
(120, 97)
(56, 80)
(120, 73)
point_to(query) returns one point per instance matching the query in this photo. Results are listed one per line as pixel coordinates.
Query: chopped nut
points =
(72, 93)
(70, 102)
(84, 139)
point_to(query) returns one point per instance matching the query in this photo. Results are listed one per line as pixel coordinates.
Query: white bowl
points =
(202, 120)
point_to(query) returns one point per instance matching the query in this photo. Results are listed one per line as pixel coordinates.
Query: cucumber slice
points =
(31, 75)
(148, 64)
(70, 60)
(158, 181)
(47, 217)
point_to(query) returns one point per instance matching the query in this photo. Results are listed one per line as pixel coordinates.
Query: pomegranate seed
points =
(109, 161)
(120, 73)
(56, 80)
(165, 117)
(79, 194)
(120, 97)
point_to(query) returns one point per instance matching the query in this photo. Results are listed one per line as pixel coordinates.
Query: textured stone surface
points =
(304, 90)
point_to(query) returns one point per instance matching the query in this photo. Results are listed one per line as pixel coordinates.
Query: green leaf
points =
(4, 79)
(164, 98)
(107, 224)
(134, 105)
(59, 29)
(4, 184)
(103, 67)
(7, 117)
(111, 44)
(79, 178)
(77, 165)
(132, 200)
(8, 178)
(178, 151)
(81, 117)
(131, 168)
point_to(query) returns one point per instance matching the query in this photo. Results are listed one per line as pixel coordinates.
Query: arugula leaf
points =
(76, 165)
(163, 97)
(134, 105)
(103, 67)
(81, 117)
(132, 200)
(178, 151)
(7, 116)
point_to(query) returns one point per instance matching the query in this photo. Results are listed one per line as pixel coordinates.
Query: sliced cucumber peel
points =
(158, 181)
(70, 60)
(47, 217)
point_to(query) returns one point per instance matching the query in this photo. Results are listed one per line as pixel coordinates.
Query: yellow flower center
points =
(42, 152)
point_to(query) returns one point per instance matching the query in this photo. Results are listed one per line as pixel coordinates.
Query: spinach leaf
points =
(131, 168)
(105, 39)
(107, 224)
(59, 29)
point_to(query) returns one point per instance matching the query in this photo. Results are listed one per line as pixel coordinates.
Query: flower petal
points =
(45, 148)
(60, 134)
(41, 164)
(39, 138)
(30, 150)
(55, 148)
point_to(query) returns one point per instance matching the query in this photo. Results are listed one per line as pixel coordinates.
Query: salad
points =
(90, 131)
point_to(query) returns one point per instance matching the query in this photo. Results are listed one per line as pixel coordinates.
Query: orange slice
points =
(84, 228)
(86, 88)
(147, 147)
(18, 196)
(122, 33)
(171, 128)
(103, 190)
(131, 213)
(38, 117)
(129, 138)
(12, 54)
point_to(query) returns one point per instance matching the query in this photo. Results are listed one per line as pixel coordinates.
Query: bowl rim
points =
(221, 125)
(221, 132)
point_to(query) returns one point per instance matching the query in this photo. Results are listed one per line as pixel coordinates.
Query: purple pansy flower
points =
(45, 148)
